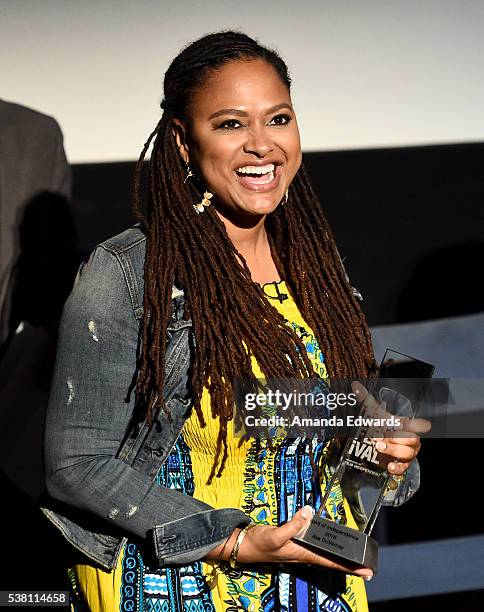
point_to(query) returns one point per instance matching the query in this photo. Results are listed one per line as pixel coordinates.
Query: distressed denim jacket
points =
(100, 466)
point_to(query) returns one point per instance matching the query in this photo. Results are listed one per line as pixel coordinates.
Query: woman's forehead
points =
(241, 83)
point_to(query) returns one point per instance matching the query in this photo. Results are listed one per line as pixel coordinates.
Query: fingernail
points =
(391, 467)
(368, 578)
(381, 446)
(307, 512)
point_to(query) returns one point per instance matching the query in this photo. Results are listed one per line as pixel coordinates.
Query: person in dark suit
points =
(32, 162)
(37, 264)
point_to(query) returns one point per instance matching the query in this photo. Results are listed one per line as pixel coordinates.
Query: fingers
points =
(301, 554)
(396, 468)
(398, 450)
(361, 393)
(416, 425)
(370, 405)
(377, 409)
(296, 526)
(406, 445)
(315, 559)
(403, 452)
(275, 544)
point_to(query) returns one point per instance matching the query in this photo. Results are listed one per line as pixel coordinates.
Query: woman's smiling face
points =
(242, 137)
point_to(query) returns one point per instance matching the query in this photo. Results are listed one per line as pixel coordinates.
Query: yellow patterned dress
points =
(268, 485)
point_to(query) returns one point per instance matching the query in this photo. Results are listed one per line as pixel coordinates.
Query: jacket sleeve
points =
(88, 415)
(407, 487)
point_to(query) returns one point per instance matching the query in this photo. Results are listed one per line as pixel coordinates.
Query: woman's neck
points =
(252, 243)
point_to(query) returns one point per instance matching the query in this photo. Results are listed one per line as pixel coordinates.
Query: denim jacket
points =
(100, 466)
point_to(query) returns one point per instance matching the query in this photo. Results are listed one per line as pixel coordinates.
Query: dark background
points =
(409, 223)
(401, 217)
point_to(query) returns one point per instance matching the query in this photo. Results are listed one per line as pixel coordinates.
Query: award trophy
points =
(357, 472)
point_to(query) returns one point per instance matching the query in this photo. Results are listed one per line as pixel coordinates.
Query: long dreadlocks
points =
(232, 317)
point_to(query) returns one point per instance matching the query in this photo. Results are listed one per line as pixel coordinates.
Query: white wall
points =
(367, 73)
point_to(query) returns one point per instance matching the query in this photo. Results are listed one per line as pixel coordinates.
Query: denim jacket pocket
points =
(175, 326)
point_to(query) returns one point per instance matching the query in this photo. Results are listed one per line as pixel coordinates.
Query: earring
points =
(189, 173)
(200, 206)
(286, 196)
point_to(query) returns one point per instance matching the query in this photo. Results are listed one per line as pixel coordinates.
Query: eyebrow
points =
(239, 113)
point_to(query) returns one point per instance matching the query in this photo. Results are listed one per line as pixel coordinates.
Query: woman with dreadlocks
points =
(232, 274)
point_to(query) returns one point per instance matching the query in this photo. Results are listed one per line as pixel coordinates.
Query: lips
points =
(262, 182)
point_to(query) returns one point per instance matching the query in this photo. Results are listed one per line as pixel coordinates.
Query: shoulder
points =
(107, 290)
(119, 261)
(35, 140)
(115, 267)
(18, 117)
(125, 250)
(128, 241)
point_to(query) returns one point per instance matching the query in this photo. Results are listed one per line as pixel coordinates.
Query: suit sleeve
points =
(61, 173)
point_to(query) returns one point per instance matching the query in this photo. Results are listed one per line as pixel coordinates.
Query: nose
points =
(258, 142)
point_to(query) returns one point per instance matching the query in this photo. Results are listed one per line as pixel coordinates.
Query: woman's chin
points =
(247, 210)
(260, 205)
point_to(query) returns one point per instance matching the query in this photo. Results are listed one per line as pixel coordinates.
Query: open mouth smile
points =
(259, 178)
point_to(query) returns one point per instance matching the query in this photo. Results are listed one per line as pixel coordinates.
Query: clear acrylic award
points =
(359, 471)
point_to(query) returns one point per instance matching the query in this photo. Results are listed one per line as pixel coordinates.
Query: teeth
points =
(270, 178)
(256, 169)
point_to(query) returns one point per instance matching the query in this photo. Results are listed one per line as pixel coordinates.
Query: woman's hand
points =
(268, 544)
(399, 451)
(403, 448)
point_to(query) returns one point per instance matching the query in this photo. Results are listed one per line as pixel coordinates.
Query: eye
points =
(280, 120)
(230, 124)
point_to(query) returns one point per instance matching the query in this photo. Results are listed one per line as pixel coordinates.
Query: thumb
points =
(297, 525)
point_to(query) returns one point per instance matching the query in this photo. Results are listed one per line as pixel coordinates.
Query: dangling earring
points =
(189, 173)
(200, 206)
(286, 196)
